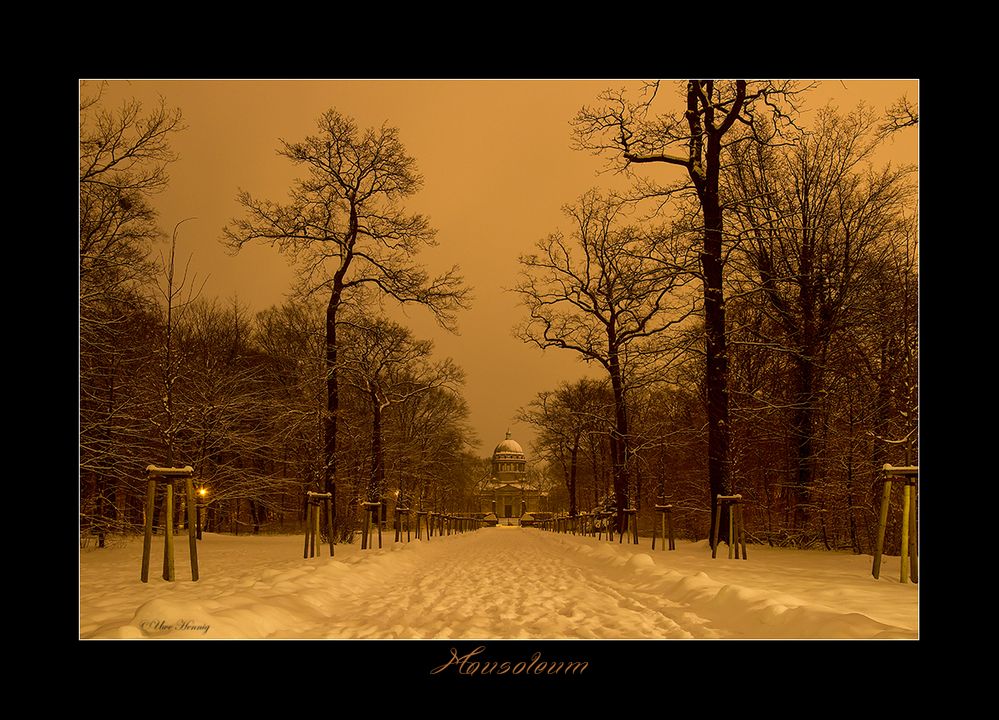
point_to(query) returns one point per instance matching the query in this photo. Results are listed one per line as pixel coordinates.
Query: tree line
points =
(322, 392)
(756, 316)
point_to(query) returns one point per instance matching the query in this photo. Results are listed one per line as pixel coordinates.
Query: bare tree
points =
(390, 367)
(430, 440)
(817, 221)
(123, 159)
(902, 114)
(717, 114)
(344, 226)
(564, 418)
(598, 292)
(124, 153)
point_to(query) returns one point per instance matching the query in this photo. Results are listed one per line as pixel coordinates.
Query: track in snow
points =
(503, 582)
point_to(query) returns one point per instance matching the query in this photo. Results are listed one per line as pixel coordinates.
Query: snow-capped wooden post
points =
(736, 526)
(909, 474)
(630, 526)
(370, 518)
(609, 525)
(169, 475)
(666, 521)
(315, 502)
(400, 514)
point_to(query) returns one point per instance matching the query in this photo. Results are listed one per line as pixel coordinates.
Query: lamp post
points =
(202, 494)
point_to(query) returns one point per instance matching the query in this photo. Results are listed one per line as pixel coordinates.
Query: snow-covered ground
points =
(503, 582)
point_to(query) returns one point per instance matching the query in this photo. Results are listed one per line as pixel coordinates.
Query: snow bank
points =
(503, 582)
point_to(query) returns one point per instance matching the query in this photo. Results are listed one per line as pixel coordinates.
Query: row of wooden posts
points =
(426, 521)
(599, 523)
(596, 524)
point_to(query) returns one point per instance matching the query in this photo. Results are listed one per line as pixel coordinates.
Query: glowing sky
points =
(497, 167)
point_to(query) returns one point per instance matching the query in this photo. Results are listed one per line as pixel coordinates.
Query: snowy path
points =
(495, 583)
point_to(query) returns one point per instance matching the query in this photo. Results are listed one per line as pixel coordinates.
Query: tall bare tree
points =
(599, 292)
(716, 115)
(345, 227)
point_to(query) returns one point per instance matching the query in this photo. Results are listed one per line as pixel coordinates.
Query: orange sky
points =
(497, 167)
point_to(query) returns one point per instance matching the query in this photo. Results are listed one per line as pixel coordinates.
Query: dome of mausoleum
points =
(508, 449)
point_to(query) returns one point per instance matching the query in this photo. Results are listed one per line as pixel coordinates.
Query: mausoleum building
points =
(506, 492)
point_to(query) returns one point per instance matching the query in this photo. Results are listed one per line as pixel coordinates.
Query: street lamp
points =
(202, 494)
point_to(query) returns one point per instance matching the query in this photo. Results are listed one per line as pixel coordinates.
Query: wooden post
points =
(168, 570)
(882, 524)
(316, 537)
(168, 475)
(666, 523)
(732, 539)
(908, 560)
(308, 529)
(914, 564)
(192, 527)
(669, 526)
(631, 525)
(904, 548)
(733, 503)
(742, 532)
(311, 529)
(401, 515)
(315, 502)
(371, 515)
(147, 540)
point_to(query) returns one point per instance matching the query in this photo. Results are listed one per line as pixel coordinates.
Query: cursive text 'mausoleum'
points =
(465, 665)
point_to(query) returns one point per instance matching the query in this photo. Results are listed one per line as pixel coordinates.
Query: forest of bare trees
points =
(753, 318)
(255, 403)
(796, 377)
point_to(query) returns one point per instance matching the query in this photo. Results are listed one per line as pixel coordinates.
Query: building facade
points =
(506, 492)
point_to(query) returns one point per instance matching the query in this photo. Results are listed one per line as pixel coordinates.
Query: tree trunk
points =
(253, 517)
(572, 477)
(802, 423)
(377, 466)
(332, 408)
(619, 440)
(719, 465)
(706, 136)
